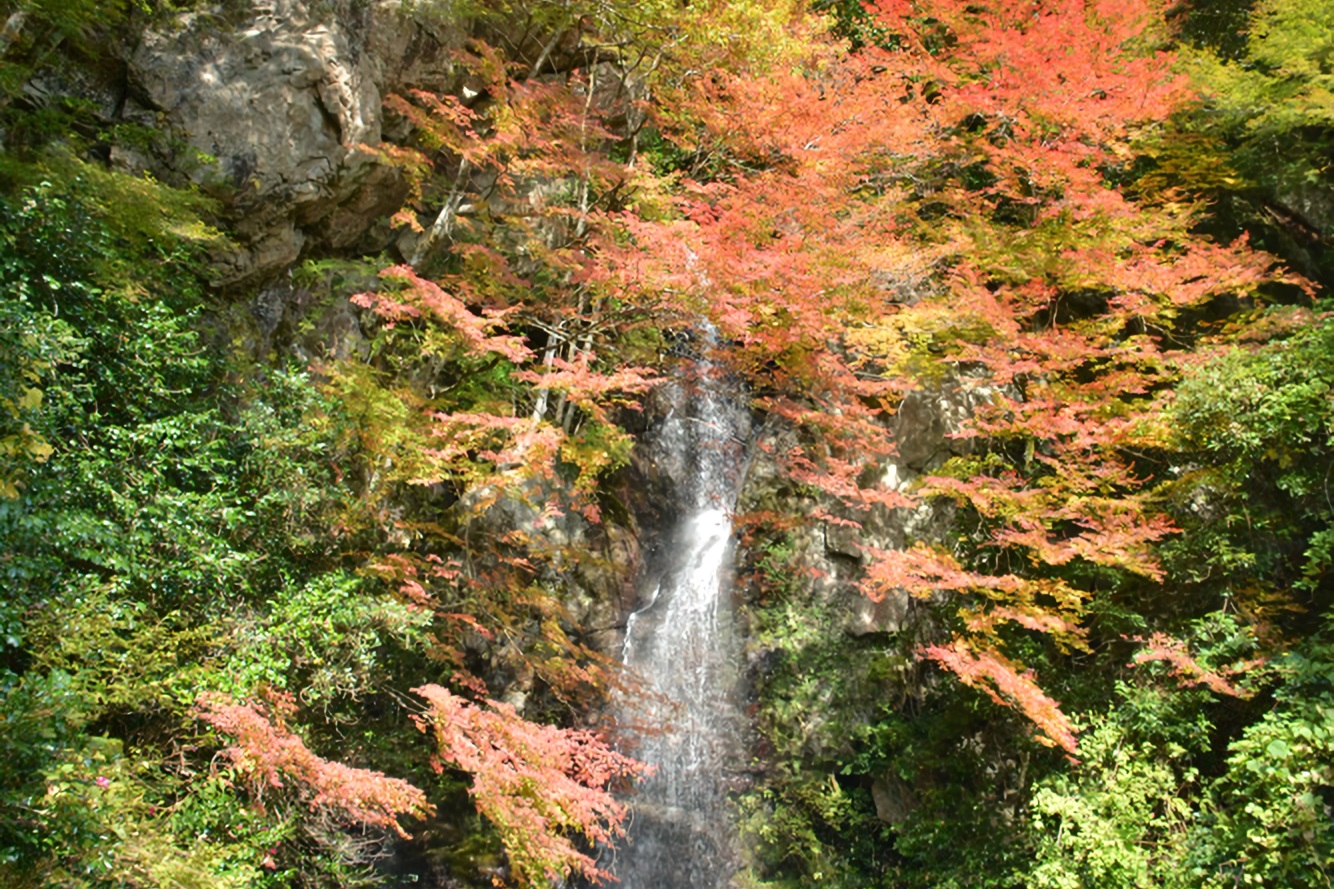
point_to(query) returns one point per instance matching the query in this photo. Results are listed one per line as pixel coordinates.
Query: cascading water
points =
(681, 642)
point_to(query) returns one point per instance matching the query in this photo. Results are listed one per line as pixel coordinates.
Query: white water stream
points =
(681, 642)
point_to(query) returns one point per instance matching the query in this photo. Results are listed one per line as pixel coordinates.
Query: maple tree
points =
(266, 752)
(504, 286)
(947, 205)
(943, 206)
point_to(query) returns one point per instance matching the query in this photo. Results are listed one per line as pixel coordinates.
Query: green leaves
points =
(327, 639)
(176, 538)
(1288, 83)
(1261, 421)
(1267, 818)
(1119, 820)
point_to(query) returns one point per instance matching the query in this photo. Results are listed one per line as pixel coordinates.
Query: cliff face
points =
(272, 106)
(281, 490)
(275, 108)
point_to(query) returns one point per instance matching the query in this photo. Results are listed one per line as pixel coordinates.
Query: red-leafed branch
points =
(268, 758)
(999, 678)
(540, 786)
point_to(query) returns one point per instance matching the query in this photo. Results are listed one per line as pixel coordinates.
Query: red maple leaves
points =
(945, 208)
(948, 207)
(537, 784)
(269, 757)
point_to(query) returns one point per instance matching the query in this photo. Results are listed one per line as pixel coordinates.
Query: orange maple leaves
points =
(945, 206)
(265, 753)
(1009, 685)
(536, 783)
(948, 206)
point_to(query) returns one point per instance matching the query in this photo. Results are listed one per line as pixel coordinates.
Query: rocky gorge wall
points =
(275, 108)
(410, 418)
(824, 659)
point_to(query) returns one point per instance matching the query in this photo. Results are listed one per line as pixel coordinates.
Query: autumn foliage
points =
(541, 787)
(942, 210)
(270, 759)
(1161, 648)
(1016, 211)
(946, 209)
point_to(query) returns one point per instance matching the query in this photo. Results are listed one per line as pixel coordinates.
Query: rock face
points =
(818, 564)
(274, 107)
(832, 554)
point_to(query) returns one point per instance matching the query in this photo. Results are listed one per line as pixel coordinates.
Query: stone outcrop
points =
(832, 554)
(279, 109)
(273, 107)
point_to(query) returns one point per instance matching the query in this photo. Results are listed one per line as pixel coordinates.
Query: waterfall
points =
(682, 643)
